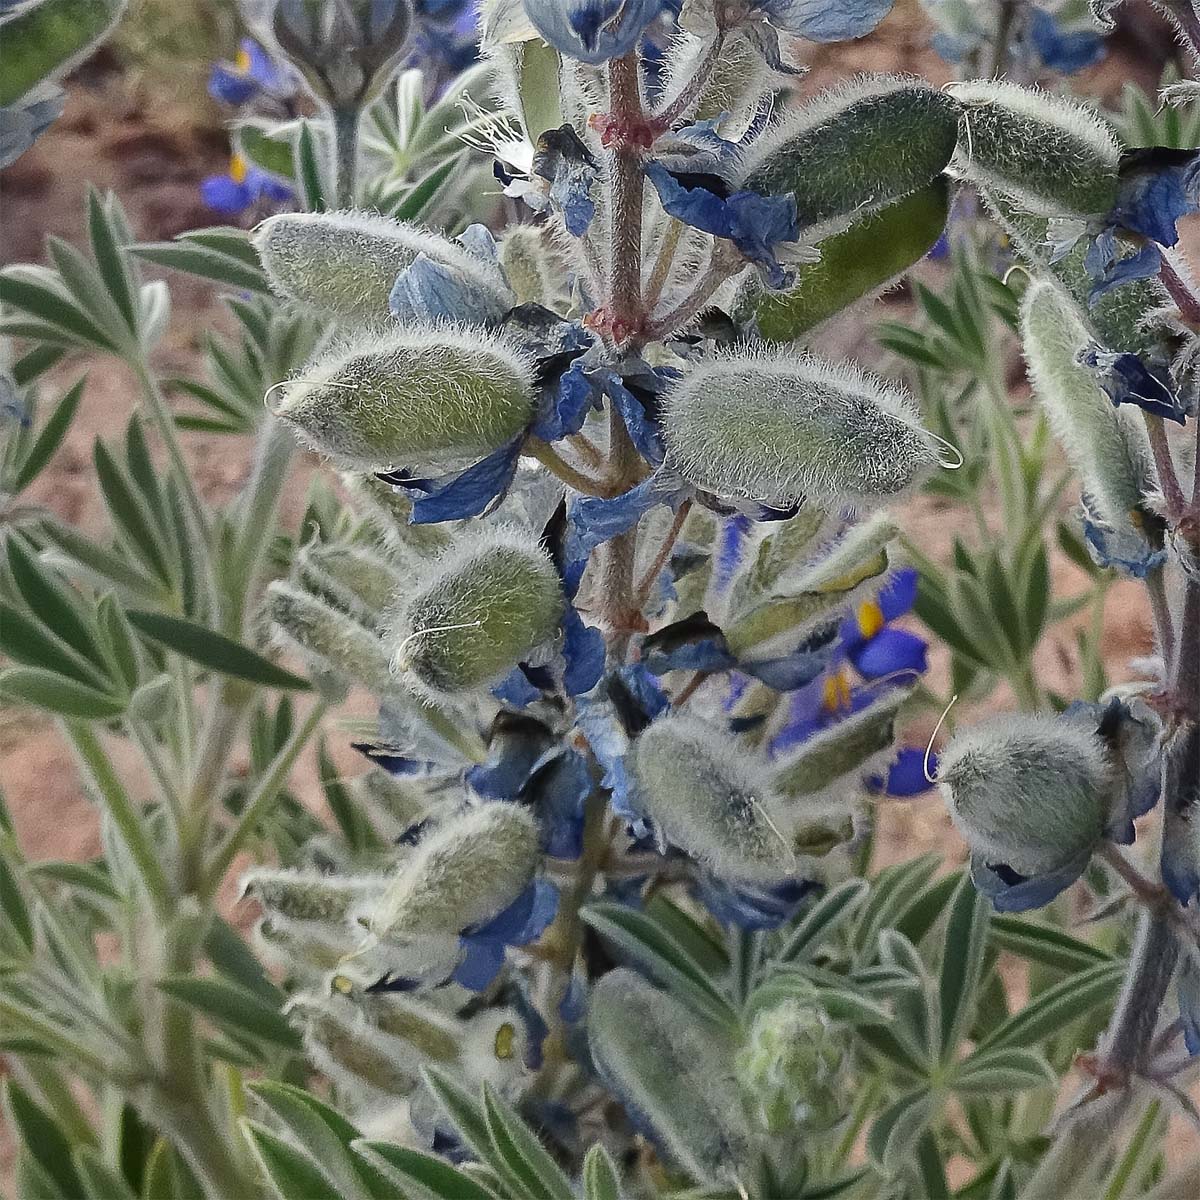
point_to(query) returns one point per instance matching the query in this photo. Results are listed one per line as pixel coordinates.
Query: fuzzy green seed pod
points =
(791, 1069)
(1106, 445)
(356, 1055)
(462, 873)
(344, 264)
(45, 40)
(480, 608)
(386, 513)
(1052, 155)
(357, 579)
(432, 399)
(432, 1033)
(854, 148)
(710, 798)
(860, 262)
(527, 264)
(673, 1072)
(1027, 790)
(303, 950)
(786, 428)
(307, 895)
(332, 640)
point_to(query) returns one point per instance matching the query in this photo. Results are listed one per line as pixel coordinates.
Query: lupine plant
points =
(611, 561)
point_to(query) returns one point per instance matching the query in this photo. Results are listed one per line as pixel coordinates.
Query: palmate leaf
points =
(221, 253)
(526, 1159)
(59, 695)
(290, 1172)
(434, 1176)
(895, 1133)
(50, 437)
(233, 1009)
(1041, 943)
(963, 960)
(1002, 1069)
(601, 1180)
(46, 1143)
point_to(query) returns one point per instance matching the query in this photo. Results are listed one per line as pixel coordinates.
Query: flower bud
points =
(305, 950)
(854, 148)
(1052, 155)
(461, 874)
(43, 41)
(791, 1069)
(527, 265)
(1106, 445)
(857, 263)
(355, 578)
(344, 264)
(387, 511)
(672, 1073)
(432, 400)
(347, 50)
(480, 608)
(356, 1055)
(332, 641)
(1027, 791)
(434, 1035)
(783, 429)
(709, 797)
(309, 896)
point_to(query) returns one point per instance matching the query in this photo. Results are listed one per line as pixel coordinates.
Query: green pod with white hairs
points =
(433, 400)
(707, 794)
(344, 264)
(1106, 445)
(1027, 791)
(309, 896)
(860, 262)
(854, 148)
(675, 1072)
(356, 578)
(1050, 154)
(463, 873)
(780, 429)
(334, 642)
(481, 607)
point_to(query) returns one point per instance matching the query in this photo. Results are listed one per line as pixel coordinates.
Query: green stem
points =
(123, 813)
(259, 802)
(345, 154)
(559, 467)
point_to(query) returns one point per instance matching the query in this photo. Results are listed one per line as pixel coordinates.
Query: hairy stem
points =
(1164, 466)
(625, 264)
(646, 584)
(345, 154)
(559, 467)
(1151, 966)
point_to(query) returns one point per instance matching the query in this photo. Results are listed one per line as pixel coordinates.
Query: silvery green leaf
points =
(1041, 943)
(895, 1133)
(963, 963)
(1003, 1069)
(290, 1172)
(600, 1178)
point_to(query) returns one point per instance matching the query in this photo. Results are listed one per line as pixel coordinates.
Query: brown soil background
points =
(153, 155)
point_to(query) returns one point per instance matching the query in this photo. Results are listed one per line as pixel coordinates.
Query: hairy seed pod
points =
(462, 873)
(791, 1068)
(672, 1073)
(333, 641)
(432, 400)
(307, 949)
(387, 512)
(1027, 791)
(432, 1033)
(707, 796)
(1106, 445)
(344, 264)
(358, 579)
(861, 261)
(527, 265)
(854, 148)
(308, 895)
(782, 429)
(480, 608)
(734, 86)
(43, 41)
(357, 1056)
(1054, 156)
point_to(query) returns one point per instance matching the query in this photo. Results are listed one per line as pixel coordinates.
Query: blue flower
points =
(1188, 990)
(563, 159)
(522, 922)
(243, 186)
(1128, 380)
(754, 223)
(1127, 550)
(872, 645)
(750, 907)
(906, 774)
(825, 20)
(1063, 50)
(594, 31)
(250, 74)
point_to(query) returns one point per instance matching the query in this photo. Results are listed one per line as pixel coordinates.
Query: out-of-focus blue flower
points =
(905, 774)
(825, 20)
(1124, 550)
(1060, 49)
(429, 290)
(242, 187)
(22, 123)
(563, 159)
(1188, 990)
(252, 73)
(757, 225)
(869, 641)
(594, 31)
(1010, 891)
(522, 922)
(460, 494)
(751, 907)
(1128, 380)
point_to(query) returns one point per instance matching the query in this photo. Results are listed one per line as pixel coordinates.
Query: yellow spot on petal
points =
(242, 62)
(343, 984)
(870, 618)
(506, 1037)
(835, 692)
(237, 169)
